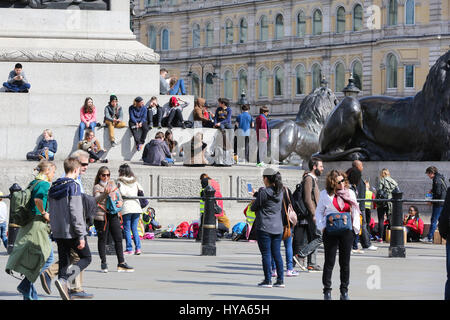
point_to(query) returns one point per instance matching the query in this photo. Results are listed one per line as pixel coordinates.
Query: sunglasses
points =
(105, 174)
(342, 181)
(84, 164)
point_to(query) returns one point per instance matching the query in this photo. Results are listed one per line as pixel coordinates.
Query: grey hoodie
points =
(267, 207)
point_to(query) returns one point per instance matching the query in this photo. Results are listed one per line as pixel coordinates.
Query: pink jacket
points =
(88, 117)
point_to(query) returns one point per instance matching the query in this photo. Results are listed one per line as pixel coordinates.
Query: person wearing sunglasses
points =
(414, 225)
(336, 202)
(105, 222)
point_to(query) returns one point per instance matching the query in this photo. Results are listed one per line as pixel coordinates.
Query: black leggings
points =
(112, 227)
(331, 243)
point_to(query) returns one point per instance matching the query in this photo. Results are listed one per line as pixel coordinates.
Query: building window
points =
(279, 27)
(263, 29)
(209, 87)
(228, 85)
(263, 83)
(242, 82)
(243, 31)
(409, 12)
(209, 35)
(409, 76)
(317, 22)
(152, 37)
(391, 71)
(357, 17)
(278, 82)
(316, 76)
(392, 12)
(301, 24)
(300, 79)
(229, 32)
(340, 20)
(339, 78)
(195, 85)
(196, 36)
(165, 39)
(357, 74)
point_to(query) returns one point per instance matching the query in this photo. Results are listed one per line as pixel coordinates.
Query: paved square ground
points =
(172, 269)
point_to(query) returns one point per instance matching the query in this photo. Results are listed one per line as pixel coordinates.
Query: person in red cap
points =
(173, 115)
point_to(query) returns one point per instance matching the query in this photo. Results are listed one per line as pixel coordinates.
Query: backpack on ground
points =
(193, 230)
(298, 202)
(239, 231)
(182, 230)
(20, 206)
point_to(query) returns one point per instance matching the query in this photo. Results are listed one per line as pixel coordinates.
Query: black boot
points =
(344, 295)
(327, 295)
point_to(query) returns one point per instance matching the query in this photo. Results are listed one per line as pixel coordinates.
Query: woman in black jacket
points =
(269, 225)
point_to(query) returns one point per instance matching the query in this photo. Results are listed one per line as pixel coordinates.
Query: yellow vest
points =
(251, 215)
(369, 195)
(202, 203)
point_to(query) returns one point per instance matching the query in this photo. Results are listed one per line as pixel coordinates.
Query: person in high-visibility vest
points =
(368, 205)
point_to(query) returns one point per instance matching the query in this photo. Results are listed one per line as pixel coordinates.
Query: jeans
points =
(289, 255)
(26, 287)
(226, 126)
(269, 246)
(331, 243)
(130, 223)
(174, 119)
(355, 241)
(113, 226)
(381, 212)
(447, 283)
(23, 87)
(139, 138)
(179, 86)
(82, 127)
(154, 117)
(64, 252)
(434, 220)
(3, 228)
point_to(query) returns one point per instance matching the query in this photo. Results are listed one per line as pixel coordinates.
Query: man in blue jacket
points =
(138, 120)
(222, 119)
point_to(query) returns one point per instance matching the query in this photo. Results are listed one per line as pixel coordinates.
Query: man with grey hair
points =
(48, 275)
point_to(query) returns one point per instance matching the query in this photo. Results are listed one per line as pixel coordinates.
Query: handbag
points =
(290, 210)
(287, 227)
(338, 222)
(143, 202)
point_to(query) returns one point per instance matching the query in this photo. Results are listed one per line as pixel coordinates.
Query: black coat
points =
(439, 189)
(444, 219)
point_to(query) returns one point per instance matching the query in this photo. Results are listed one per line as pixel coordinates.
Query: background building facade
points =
(277, 51)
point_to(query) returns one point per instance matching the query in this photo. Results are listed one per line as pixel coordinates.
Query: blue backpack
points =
(112, 203)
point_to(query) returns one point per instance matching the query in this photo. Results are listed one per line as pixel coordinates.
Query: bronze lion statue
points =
(380, 128)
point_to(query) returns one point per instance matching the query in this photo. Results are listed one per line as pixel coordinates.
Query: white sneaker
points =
(357, 251)
(372, 248)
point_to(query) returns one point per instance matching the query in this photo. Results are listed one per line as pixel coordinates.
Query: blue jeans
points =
(83, 126)
(447, 283)
(130, 223)
(26, 287)
(289, 254)
(179, 86)
(17, 88)
(434, 220)
(3, 229)
(51, 155)
(269, 246)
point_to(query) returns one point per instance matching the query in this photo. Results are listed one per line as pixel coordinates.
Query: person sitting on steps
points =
(113, 118)
(17, 81)
(154, 113)
(173, 116)
(91, 145)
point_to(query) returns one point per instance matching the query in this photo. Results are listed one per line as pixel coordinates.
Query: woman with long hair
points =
(336, 202)
(131, 211)
(105, 222)
(384, 191)
(269, 225)
(32, 246)
(91, 145)
(88, 117)
(414, 225)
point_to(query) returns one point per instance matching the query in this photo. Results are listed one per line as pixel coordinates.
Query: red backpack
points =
(182, 230)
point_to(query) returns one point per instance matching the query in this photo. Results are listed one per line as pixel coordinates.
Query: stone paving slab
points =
(172, 269)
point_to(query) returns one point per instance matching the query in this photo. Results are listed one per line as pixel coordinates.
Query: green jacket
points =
(31, 249)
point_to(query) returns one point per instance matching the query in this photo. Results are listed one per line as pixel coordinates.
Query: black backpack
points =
(298, 202)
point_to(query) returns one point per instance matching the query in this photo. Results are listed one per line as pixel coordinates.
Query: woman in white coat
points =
(131, 211)
(336, 202)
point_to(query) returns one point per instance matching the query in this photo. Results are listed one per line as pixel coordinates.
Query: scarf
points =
(42, 176)
(343, 196)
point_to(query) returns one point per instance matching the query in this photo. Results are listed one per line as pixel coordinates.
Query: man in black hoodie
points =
(439, 191)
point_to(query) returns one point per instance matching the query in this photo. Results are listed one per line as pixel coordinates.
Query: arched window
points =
(279, 27)
(263, 29)
(152, 37)
(317, 22)
(229, 32)
(339, 77)
(409, 12)
(357, 74)
(165, 39)
(316, 76)
(209, 87)
(196, 36)
(242, 82)
(243, 31)
(228, 85)
(195, 85)
(300, 79)
(392, 12)
(340, 20)
(301, 24)
(391, 71)
(278, 82)
(357, 17)
(263, 83)
(209, 35)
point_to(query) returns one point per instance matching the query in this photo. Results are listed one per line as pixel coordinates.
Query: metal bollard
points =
(209, 232)
(397, 245)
